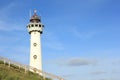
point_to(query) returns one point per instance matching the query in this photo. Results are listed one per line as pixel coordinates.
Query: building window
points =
(35, 56)
(36, 25)
(39, 25)
(35, 44)
(32, 25)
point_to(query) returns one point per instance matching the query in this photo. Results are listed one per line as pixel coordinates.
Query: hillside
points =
(13, 73)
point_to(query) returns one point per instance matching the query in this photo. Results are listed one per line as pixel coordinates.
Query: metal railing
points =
(29, 68)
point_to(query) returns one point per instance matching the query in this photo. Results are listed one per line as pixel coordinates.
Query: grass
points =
(14, 73)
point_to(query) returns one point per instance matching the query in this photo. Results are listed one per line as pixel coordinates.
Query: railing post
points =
(9, 64)
(4, 62)
(25, 69)
(19, 66)
(44, 77)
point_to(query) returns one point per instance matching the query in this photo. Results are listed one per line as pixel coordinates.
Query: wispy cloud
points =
(6, 23)
(108, 79)
(68, 75)
(80, 62)
(5, 11)
(17, 53)
(116, 61)
(73, 62)
(99, 72)
(51, 41)
(76, 61)
(7, 26)
(116, 71)
(96, 2)
(82, 35)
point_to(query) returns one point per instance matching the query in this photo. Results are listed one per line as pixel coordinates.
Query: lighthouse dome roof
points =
(35, 18)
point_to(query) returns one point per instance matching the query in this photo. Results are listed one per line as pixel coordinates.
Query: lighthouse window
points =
(35, 44)
(36, 25)
(39, 25)
(32, 25)
(35, 56)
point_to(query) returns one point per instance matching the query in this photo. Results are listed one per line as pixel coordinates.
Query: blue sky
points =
(80, 41)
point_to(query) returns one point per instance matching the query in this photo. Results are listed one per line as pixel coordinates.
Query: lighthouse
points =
(35, 29)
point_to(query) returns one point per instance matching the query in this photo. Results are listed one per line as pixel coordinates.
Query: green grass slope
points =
(13, 73)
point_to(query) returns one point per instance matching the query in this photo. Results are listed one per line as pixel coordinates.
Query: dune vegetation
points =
(13, 73)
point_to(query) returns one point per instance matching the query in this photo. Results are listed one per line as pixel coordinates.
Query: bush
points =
(1, 62)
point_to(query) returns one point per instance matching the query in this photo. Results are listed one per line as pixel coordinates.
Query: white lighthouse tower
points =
(35, 29)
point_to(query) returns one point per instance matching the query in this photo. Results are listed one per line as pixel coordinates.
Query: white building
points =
(35, 29)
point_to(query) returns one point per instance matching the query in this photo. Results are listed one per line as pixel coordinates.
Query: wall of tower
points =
(35, 50)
